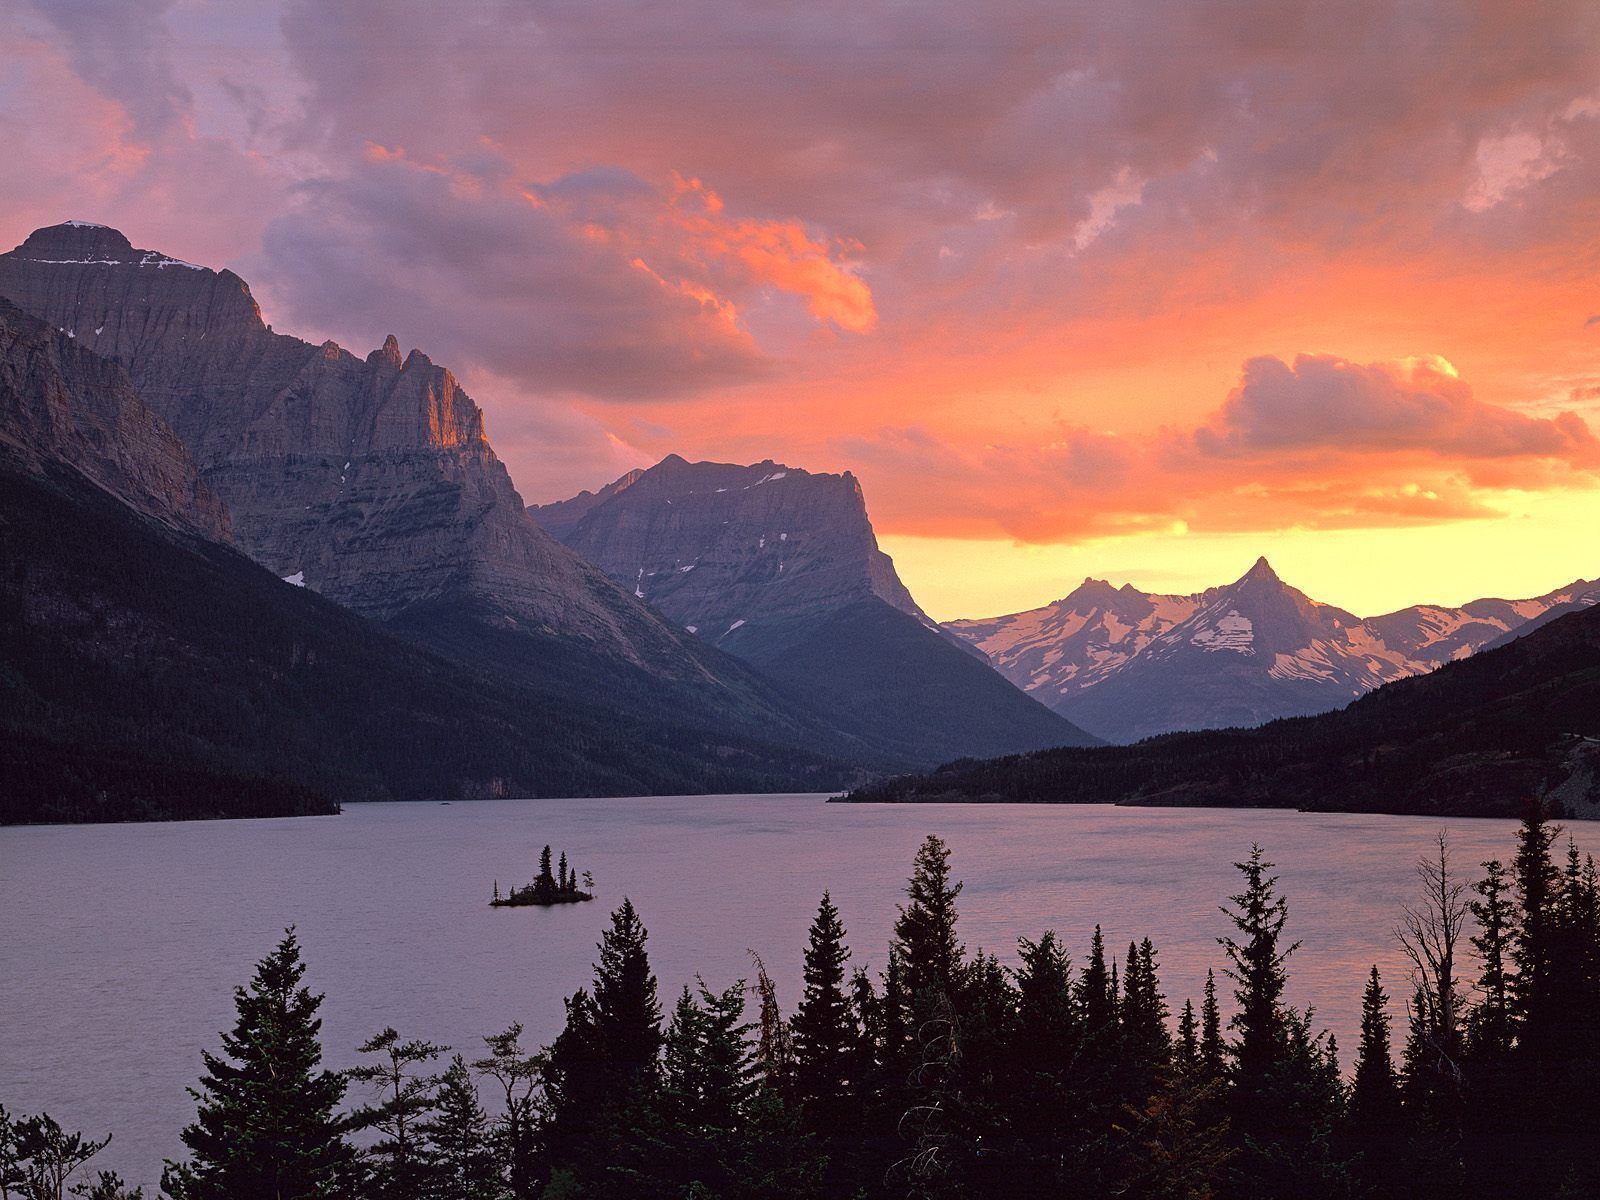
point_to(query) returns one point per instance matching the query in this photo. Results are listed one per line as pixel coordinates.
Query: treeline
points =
(950, 1075)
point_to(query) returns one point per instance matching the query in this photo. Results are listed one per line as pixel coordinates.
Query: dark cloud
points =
(1325, 402)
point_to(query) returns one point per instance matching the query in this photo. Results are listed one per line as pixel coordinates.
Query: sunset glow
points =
(1138, 291)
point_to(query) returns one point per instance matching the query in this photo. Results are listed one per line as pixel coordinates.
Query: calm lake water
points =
(120, 945)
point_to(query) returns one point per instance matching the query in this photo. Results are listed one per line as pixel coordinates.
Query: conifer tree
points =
(827, 1031)
(266, 1127)
(515, 1128)
(607, 1057)
(1047, 1011)
(1539, 896)
(1143, 1023)
(930, 954)
(404, 1090)
(1096, 999)
(773, 1063)
(1375, 1091)
(1187, 1049)
(457, 1136)
(1258, 959)
(564, 880)
(1491, 1024)
(1213, 1053)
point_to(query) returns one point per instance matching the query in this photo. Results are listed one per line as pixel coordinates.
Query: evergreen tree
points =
(1147, 1044)
(1538, 893)
(38, 1159)
(827, 1031)
(605, 1063)
(545, 887)
(1213, 1053)
(459, 1146)
(515, 1129)
(1258, 968)
(1375, 1092)
(564, 877)
(266, 1127)
(925, 933)
(1187, 1049)
(1047, 1011)
(1491, 1023)
(1096, 999)
(773, 1063)
(404, 1090)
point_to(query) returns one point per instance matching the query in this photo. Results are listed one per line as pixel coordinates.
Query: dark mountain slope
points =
(145, 674)
(1475, 738)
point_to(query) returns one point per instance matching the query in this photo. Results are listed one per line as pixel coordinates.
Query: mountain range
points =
(150, 400)
(1480, 736)
(1125, 664)
(780, 567)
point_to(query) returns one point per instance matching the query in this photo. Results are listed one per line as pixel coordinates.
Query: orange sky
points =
(1139, 291)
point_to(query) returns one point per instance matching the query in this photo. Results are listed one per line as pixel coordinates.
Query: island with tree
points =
(558, 886)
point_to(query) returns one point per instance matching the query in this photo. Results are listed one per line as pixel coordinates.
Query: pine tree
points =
(1096, 999)
(564, 880)
(627, 1013)
(827, 1032)
(457, 1137)
(1213, 1053)
(266, 1127)
(1147, 1044)
(1538, 893)
(544, 884)
(1258, 968)
(1047, 1011)
(606, 1059)
(1375, 1092)
(773, 1063)
(925, 933)
(404, 1090)
(1187, 1050)
(514, 1134)
(1492, 1025)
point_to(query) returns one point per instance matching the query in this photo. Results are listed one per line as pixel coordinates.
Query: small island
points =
(548, 887)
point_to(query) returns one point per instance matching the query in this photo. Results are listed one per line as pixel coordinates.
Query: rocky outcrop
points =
(1127, 665)
(61, 405)
(780, 566)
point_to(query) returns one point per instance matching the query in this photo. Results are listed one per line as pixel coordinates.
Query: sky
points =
(1139, 290)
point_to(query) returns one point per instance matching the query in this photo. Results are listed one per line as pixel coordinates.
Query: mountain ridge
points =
(1127, 664)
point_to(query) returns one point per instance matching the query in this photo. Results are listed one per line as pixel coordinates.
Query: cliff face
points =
(61, 404)
(370, 480)
(723, 549)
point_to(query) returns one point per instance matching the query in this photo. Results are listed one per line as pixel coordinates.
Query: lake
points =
(120, 944)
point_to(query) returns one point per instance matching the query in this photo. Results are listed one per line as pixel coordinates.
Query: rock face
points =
(60, 405)
(370, 480)
(1126, 665)
(780, 567)
(723, 549)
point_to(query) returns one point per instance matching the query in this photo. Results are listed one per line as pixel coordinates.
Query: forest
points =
(948, 1074)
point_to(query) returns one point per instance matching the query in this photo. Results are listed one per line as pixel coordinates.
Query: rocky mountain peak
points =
(719, 547)
(77, 241)
(388, 355)
(1261, 572)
